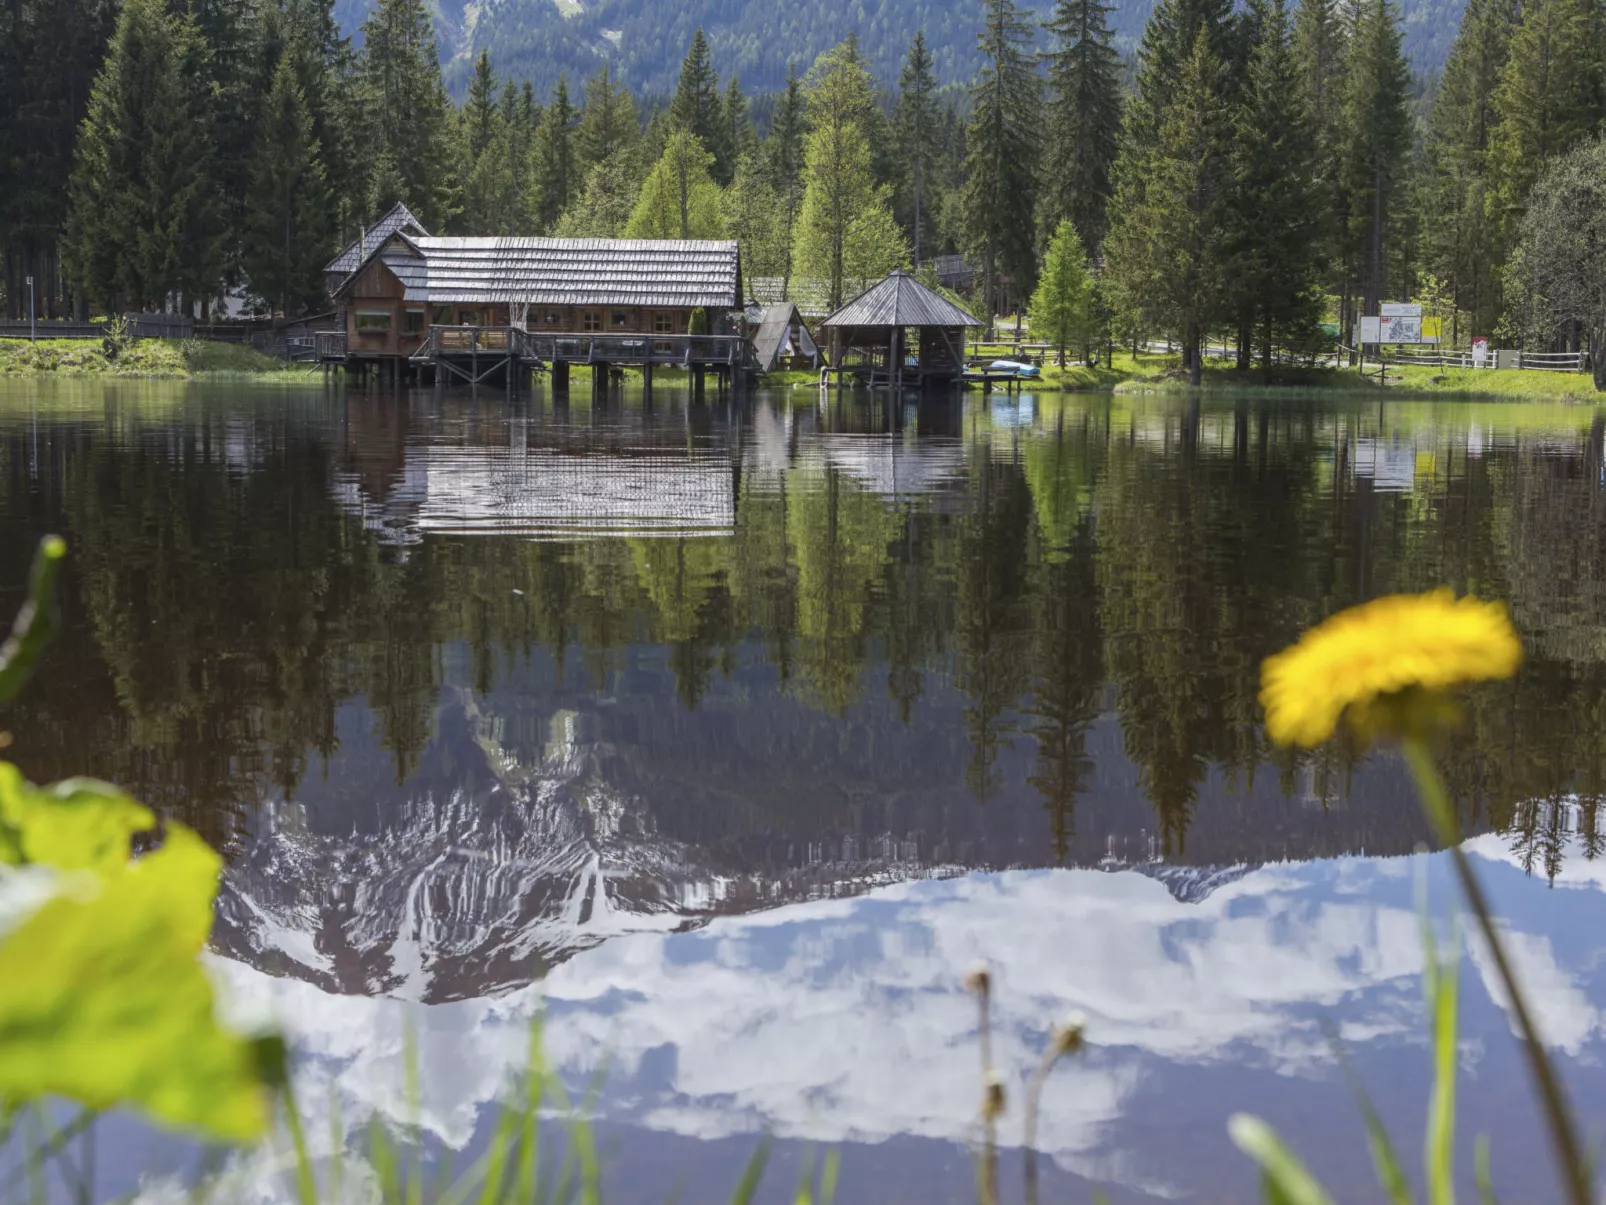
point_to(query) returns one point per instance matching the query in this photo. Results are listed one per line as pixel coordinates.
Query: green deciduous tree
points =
(287, 237)
(1063, 309)
(1557, 274)
(145, 222)
(755, 218)
(679, 199)
(844, 225)
(1000, 185)
(1084, 119)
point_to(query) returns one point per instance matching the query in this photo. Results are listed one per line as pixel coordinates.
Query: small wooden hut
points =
(782, 340)
(399, 220)
(899, 332)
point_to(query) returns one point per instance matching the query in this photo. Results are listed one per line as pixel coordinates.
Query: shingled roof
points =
(551, 271)
(901, 300)
(400, 219)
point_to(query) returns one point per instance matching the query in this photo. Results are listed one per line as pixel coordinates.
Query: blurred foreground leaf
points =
(103, 997)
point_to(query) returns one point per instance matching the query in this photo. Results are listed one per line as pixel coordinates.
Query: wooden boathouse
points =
(476, 310)
(898, 333)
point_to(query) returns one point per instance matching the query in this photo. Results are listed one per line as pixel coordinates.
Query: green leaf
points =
(79, 824)
(1287, 1181)
(103, 1000)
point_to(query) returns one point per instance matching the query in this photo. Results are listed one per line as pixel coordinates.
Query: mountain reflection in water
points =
(736, 731)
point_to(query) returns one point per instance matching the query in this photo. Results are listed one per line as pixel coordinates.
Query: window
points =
(591, 321)
(413, 322)
(553, 318)
(663, 324)
(373, 322)
(619, 320)
(442, 315)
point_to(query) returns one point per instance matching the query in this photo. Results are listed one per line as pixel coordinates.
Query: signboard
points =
(1480, 351)
(1432, 330)
(1401, 328)
(1371, 331)
(1400, 322)
(1401, 309)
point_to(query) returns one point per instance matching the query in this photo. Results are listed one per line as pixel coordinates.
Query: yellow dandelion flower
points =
(1428, 641)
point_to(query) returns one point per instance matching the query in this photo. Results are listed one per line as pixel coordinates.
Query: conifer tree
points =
(481, 116)
(237, 87)
(1376, 152)
(1166, 253)
(917, 127)
(1463, 250)
(844, 210)
(1062, 308)
(608, 122)
(737, 136)
(1000, 185)
(287, 237)
(145, 221)
(1548, 100)
(784, 161)
(1275, 212)
(406, 118)
(557, 180)
(679, 199)
(1084, 119)
(695, 107)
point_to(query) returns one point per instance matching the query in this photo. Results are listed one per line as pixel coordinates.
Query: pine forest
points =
(1252, 177)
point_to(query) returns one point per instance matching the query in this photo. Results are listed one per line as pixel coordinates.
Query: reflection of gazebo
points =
(880, 327)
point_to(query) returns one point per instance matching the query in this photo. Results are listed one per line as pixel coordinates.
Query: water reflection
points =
(724, 719)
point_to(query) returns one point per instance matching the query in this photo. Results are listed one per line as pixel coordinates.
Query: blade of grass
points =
(1287, 1181)
(1391, 1176)
(1440, 979)
(1481, 1168)
(36, 622)
(752, 1174)
(306, 1181)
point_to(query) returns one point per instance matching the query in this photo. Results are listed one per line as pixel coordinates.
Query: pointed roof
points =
(399, 219)
(901, 300)
(772, 330)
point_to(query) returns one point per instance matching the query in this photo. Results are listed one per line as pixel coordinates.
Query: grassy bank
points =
(148, 359)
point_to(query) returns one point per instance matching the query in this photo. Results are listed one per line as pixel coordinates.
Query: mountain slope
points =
(756, 39)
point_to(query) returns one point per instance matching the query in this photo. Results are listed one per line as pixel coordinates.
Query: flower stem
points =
(1575, 1173)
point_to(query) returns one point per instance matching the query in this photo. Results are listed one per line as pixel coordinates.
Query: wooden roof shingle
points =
(551, 271)
(400, 219)
(901, 300)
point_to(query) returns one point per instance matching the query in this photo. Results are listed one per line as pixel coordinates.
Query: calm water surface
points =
(728, 736)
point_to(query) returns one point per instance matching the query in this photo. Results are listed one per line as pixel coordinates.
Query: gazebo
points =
(883, 325)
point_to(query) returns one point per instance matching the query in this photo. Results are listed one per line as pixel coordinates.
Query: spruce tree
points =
(287, 236)
(1001, 186)
(1376, 152)
(406, 118)
(679, 199)
(608, 122)
(784, 161)
(557, 181)
(917, 126)
(481, 115)
(238, 87)
(737, 139)
(1062, 308)
(145, 220)
(1084, 119)
(1166, 254)
(1275, 213)
(695, 107)
(1547, 100)
(1463, 250)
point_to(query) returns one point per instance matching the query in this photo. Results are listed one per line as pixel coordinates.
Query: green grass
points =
(149, 359)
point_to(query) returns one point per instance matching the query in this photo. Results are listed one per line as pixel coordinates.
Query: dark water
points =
(728, 737)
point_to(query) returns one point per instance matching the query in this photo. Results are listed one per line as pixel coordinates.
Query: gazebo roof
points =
(901, 300)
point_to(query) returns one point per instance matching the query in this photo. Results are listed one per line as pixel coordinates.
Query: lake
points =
(725, 737)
